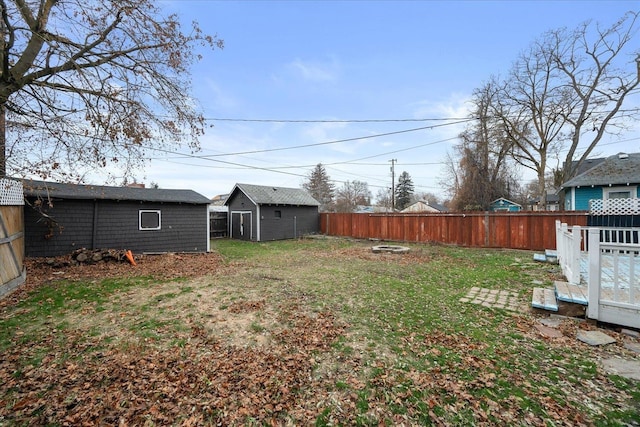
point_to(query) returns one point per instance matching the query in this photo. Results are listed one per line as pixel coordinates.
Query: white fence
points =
(612, 276)
(614, 285)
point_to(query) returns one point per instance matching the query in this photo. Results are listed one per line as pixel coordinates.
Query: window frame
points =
(147, 211)
(631, 189)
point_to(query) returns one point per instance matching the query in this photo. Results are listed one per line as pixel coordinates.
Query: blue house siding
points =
(583, 195)
(504, 205)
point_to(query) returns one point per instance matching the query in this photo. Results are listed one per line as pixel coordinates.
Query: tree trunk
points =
(3, 144)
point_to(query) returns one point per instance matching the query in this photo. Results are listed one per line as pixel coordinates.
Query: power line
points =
(269, 150)
(228, 119)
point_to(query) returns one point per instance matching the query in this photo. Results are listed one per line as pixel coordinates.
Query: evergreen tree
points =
(404, 191)
(320, 188)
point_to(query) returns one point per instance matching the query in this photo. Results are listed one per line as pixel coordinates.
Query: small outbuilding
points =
(504, 205)
(60, 218)
(262, 213)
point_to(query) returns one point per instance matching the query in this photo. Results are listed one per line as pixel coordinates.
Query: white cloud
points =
(315, 71)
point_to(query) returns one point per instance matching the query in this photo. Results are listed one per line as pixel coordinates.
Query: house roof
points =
(268, 195)
(423, 205)
(619, 169)
(496, 201)
(100, 192)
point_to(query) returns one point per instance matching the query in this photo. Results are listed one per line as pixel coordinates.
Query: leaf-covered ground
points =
(320, 332)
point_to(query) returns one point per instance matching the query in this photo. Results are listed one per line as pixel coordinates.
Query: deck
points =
(627, 287)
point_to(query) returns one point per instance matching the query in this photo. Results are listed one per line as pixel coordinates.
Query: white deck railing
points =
(568, 245)
(614, 283)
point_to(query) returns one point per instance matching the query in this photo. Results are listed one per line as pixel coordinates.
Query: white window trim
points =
(632, 189)
(141, 211)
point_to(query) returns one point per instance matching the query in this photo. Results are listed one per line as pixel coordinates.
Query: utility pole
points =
(393, 184)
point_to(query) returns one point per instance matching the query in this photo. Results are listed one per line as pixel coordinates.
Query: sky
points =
(389, 79)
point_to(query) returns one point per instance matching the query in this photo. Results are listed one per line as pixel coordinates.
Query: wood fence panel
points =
(12, 271)
(513, 230)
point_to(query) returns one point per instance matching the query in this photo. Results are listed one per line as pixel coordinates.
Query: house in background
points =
(504, 205)
(616, 177)
(552, 205)
(425, 206)
(60, 218)
(261, 213)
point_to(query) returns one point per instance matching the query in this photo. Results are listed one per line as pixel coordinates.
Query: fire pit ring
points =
(394, 249)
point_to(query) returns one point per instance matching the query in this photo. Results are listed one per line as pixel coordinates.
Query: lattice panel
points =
(11, 193)
(614, 207)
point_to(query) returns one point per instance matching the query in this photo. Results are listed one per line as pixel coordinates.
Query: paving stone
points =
(552, 322)
(623, 367)
(595, 338)
(630, 333)
(547, 331)
(633, 346)
(464, 300)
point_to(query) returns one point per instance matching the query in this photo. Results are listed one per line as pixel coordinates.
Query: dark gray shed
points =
(261, 213)
(60, 218)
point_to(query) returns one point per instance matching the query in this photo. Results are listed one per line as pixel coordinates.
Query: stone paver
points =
(623, 367)
(493, 298)
(548, 332)
(595, 338)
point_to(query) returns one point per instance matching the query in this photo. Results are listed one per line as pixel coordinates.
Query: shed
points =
(504, 205)
(262, 213)
(61, 218)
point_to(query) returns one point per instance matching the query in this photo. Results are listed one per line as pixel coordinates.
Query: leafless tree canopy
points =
(94, 83)
(566, 92)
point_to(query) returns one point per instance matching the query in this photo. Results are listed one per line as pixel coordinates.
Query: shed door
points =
(241, 225)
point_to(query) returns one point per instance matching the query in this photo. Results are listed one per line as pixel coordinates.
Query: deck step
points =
(540, 257)
(551, 255)
(544, 299)
(569, 292)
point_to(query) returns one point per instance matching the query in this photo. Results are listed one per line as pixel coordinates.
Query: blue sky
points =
(352, 60)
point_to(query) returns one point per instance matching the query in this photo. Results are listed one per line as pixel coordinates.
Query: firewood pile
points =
(94, 256)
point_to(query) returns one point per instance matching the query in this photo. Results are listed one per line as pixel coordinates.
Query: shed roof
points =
(510, 202)
(100, 192)
(268, 195)
(619, 169)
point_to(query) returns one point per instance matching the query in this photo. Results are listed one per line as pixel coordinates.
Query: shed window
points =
(149, 220)
(277, 214)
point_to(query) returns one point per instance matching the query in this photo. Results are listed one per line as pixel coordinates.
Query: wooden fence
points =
(513, 230)
(12, 271)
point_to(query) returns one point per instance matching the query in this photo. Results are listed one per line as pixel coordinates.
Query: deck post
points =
(576, 237)
(593, 286)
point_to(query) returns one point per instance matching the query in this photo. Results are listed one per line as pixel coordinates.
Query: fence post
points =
(576, 237)
(593, 286)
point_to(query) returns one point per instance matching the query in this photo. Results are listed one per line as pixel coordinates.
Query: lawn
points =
(306, 332)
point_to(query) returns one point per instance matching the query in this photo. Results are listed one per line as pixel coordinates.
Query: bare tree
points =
(88, 84)
(481, 170)
(351, 195)
(383, 197)
(566, 92)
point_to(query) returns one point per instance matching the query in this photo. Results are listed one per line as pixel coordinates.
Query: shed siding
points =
(294, 221)
(184, 228)
(584, 194)
(72, 229)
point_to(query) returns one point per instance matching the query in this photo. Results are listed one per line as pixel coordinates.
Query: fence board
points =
(513, 230)
(12, 272)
